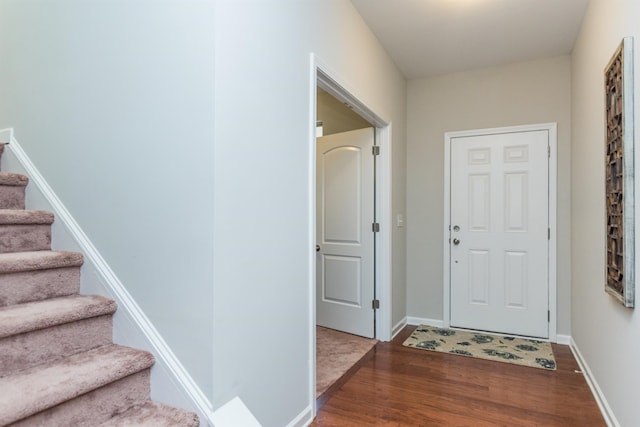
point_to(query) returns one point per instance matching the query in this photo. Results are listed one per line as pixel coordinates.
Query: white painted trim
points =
(398, 327)
(168, 372)
(551, 128)
(6, 135)
(446, 251)
(337, 86)
(311, 236)
(605, 409)
(415, 321)
(304, 418)
(384, 252)
(553, 224)
(563, 339)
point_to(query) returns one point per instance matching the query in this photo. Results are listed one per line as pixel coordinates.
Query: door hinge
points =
(375, 304)
(549, 233)
(548, 315)
(376, 150)
(375, 227)
(548, 151)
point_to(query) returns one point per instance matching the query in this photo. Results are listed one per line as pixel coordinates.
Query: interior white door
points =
(499, 233)
(345, 213)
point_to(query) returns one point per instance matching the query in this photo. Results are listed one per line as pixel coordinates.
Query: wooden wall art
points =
(619, 174)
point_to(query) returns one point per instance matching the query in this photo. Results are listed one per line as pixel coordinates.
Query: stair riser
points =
(94, 407)
(11, 197)
(23, 238)
(26, 350)
(26, 286)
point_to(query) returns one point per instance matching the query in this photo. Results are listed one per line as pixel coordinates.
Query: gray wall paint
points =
(263, 219)
(604, 331)
(515, 94)
(113, 102)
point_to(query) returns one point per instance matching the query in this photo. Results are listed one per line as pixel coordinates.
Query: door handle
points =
(456, 241)
(317, 248)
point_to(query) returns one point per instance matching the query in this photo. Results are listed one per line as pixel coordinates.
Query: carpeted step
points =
(83, 389)
(153, 414)
(22, 230)
(43, 331)
(37, 275)
(12, 190)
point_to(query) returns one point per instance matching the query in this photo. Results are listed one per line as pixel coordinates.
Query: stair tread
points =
(31, 316)
(153, 414)
(22, 216)
(13, 262)
(36, 389)
(13, 179)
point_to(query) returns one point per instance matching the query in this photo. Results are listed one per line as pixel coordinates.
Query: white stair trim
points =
(168, 370)
(6, 135)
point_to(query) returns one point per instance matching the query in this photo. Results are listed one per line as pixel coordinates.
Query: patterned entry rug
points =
(520, 351)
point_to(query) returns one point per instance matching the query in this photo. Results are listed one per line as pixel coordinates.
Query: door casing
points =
(553, 145)
(321, 74)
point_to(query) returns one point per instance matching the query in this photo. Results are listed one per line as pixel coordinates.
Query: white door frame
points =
(322, 75)
(553, 177)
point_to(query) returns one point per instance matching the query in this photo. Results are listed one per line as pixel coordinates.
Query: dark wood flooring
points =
(395, 385)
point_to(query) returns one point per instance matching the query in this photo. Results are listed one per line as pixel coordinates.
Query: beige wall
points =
(606, 334)
(335, 116)
(515, 94)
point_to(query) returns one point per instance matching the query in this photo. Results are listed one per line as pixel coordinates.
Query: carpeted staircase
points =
(58, 363)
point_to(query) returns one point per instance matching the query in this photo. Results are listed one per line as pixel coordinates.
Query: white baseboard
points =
(414, 321)
(303, 419)
(563, 339)
(171, 383)
(424, 321)
(605, 409)
(398, 327)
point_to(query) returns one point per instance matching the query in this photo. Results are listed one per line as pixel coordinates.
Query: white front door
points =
(499, 233)
(345, 251)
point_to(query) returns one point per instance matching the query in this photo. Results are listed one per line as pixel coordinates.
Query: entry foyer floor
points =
(400, 386)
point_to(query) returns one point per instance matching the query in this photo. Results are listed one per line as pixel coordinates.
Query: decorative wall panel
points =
(619, 175)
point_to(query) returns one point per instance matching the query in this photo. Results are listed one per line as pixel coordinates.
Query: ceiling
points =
(430, 37)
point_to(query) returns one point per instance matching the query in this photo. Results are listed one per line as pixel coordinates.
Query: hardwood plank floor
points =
(400, 386)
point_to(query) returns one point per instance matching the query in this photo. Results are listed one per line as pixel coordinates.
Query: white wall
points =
(263, 218)
(113, 102)
(606, 333)
(515, 94)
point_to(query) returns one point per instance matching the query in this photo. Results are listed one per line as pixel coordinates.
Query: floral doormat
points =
(520, 351)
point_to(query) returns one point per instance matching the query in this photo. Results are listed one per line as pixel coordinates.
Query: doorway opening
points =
(334, 111)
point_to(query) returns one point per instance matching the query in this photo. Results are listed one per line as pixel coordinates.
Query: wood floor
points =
(400, 386)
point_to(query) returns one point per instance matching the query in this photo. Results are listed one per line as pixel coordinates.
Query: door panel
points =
(345, 206)
(342, 280)
(499, 219)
